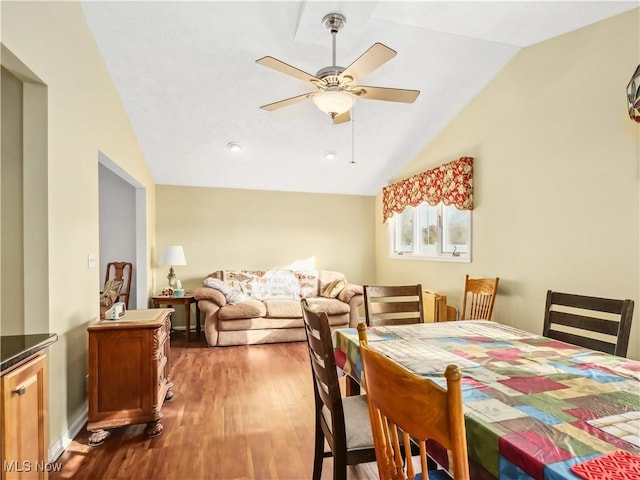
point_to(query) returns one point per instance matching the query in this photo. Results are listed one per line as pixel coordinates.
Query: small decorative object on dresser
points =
(129, 372)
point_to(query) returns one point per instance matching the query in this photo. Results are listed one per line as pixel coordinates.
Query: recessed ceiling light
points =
(234, 147)
(329, 155)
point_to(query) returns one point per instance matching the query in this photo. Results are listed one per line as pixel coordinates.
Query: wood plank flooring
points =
(238, 413)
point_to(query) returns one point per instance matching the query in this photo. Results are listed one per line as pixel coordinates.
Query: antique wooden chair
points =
(342, 421)
(393, 305)
(479, 297)
(407, 408)
(601, 324)
(120, 271)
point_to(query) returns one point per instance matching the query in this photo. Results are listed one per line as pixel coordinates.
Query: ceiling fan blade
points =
(287, 69)
(342, 118)
(388, 94)
(286, 102)
(377, 55)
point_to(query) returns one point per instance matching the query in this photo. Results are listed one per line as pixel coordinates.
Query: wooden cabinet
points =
(24, 423)
(129, 372)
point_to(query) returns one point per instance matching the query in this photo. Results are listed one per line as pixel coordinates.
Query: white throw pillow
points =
(233, 295)
(218, 285)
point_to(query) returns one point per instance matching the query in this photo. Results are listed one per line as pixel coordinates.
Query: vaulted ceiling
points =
(188, 80)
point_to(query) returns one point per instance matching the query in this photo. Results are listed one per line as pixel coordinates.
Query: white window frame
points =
(439, 254)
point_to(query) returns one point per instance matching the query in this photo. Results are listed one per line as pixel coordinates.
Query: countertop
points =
(15, 348)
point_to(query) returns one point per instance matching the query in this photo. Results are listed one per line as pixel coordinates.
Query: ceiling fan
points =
(337, 87)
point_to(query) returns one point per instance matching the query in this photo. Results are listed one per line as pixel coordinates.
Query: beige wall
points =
(11, 211)
(555, 178)
(84, 117)
(229, 228)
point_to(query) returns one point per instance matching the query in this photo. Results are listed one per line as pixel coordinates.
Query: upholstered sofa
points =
(244, 307)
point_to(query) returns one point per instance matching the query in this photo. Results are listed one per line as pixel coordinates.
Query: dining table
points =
(534, 407)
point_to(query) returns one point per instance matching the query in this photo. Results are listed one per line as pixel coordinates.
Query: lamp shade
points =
(333, 102)
(173, 255)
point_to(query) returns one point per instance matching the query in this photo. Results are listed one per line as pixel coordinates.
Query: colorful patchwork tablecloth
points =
(533, 406)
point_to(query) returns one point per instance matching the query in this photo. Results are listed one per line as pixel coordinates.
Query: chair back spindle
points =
(479, 298)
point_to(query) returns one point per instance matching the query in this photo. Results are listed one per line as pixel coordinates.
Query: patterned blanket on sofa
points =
(277, 283)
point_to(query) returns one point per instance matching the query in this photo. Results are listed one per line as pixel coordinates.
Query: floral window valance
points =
(451, 184)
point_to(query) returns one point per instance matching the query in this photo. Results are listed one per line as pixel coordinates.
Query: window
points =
(436, 233)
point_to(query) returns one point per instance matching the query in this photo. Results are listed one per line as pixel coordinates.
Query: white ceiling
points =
(188, 80)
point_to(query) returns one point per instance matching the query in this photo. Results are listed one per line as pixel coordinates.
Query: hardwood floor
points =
(238, 413)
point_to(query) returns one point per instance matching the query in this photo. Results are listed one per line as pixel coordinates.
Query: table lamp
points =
(173, 255)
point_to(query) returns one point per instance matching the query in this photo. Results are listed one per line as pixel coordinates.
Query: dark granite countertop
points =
(15, 348)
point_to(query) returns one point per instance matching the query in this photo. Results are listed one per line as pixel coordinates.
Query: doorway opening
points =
(123, 226)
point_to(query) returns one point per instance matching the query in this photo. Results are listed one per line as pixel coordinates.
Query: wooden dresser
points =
(129, 372)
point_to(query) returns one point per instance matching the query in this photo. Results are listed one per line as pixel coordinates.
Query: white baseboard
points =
(182, 328)
(60, 445)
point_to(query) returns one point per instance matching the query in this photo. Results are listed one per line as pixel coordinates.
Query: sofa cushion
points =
(259, 336)
(239, 280)
(334, 288)
(247, 309)
(330, 305)
(260, 323)
(250, 282)
(309, 283)
(261, 284)
(282, 284)
(283, 308)
(232, 295)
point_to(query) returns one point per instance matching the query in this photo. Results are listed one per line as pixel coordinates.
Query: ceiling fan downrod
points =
(333, 22)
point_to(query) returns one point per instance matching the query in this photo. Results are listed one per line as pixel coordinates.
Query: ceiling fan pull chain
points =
(353, 135)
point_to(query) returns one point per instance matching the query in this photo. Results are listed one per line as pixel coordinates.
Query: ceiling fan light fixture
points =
(333, 102)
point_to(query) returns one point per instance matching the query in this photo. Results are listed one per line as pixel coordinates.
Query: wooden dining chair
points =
(342, 421)
(479, 297)
(601, 324)
(407, 408)
(120, 272)
(393, 305)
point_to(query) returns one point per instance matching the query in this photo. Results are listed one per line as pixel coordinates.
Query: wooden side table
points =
(186, 301)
